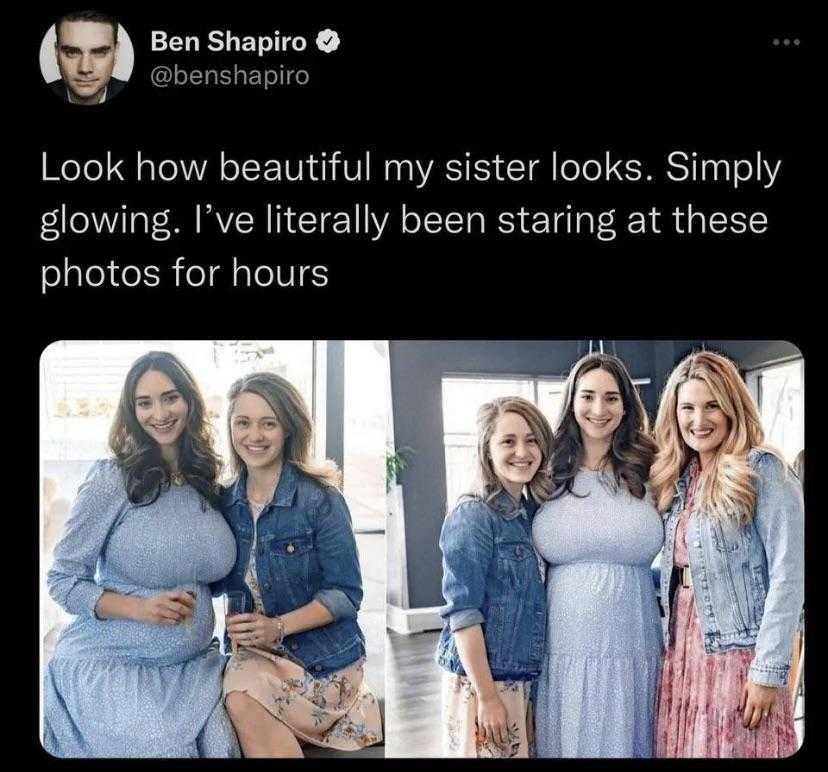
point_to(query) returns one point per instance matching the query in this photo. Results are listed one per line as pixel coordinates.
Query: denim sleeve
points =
(341, 590)
(467, 544)
(780, 521)
(71, 579)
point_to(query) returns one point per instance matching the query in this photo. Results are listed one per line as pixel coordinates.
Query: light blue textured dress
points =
(122, 688)
(596, 693)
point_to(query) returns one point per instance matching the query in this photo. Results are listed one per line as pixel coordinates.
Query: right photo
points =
(595, 549)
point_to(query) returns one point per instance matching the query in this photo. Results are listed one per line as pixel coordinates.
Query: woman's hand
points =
(492, 720)
(254, 630)
(756, 703)
(166, 608)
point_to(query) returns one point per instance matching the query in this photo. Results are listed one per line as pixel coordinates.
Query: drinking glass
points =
(235, 602)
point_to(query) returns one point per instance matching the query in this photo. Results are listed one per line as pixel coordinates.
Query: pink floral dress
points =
(337, 710)
(699, 694)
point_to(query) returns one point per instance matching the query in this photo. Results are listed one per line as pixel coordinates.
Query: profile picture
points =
(86, 57)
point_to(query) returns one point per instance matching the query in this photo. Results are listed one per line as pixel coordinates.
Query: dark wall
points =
(417, 369)
(750, 354)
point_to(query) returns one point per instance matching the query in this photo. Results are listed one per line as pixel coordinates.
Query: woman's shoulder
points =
(315, 495)
(105, 473)
(308, 483)
(470, 501)
(474, 507)
(471, 518)
(768, 464)
(772, 473)
(103, 488)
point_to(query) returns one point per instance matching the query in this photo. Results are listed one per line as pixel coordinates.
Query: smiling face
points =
(598, 406)
(256, 432)
(514, 452)
(702, 422)
(161, 410)
(85, 53)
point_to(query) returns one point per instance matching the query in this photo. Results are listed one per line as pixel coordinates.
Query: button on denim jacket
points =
(305, 551)
(748, 580)
(492, 577)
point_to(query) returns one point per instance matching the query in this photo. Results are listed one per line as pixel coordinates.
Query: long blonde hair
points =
(727, 486)
(487, 485)
(287, 403)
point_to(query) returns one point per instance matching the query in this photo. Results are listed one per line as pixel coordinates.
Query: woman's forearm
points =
(306, 617)
(471, 646)
(113, 605)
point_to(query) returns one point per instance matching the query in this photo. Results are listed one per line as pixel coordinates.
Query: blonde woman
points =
(491, 646)
(297, 673)
(732, 569)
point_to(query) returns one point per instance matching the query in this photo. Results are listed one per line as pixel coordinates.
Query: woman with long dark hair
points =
(599, 534)
(297, 672)
(136, 673)
(732, 572)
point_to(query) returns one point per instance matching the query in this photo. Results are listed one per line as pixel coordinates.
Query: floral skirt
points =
(337, 710)
(698, 697)
(460, 720)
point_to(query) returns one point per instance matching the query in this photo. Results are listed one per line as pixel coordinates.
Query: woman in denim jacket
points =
(732, 569)
(495, 614)
(296, 673)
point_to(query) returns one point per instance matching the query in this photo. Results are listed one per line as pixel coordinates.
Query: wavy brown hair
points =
(487, 484)
(727, 484)
(145, 472)
(631, 450)
(292, 412)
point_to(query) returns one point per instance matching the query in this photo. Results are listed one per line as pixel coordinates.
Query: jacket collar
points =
(284, 494)
(505, 505)
(753, 456)
(684, 478)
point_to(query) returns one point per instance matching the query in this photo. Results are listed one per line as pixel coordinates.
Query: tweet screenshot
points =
(520, 471)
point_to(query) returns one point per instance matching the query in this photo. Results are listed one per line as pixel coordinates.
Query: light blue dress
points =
(122, 688)
(596, 693)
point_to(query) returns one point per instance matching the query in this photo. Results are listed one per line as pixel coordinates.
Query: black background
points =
(423, 83)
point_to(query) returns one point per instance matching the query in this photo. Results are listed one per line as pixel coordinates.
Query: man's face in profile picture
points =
(85, 55)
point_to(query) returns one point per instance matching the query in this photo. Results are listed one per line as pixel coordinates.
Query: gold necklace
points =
(176, 478)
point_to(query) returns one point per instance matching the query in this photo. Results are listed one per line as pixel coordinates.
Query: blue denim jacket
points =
(492, 577)
(748, 580)
(305, 551)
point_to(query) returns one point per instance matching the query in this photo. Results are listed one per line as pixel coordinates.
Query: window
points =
(780, 394)
(81, 382)
(367, 390)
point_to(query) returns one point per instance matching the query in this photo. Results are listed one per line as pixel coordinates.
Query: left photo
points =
(212, 548)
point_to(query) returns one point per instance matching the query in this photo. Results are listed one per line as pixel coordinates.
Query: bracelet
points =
(280, 631)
